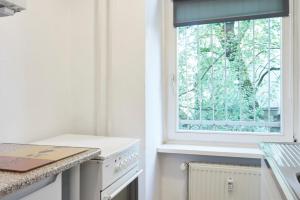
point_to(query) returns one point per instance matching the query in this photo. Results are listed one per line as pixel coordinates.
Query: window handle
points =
(173, 82)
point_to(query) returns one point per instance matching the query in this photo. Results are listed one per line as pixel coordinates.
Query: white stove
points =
(113, 175)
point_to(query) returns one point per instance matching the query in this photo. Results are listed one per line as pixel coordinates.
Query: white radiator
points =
(223, 182)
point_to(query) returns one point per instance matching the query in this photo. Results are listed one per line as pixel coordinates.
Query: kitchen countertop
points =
(11, 182)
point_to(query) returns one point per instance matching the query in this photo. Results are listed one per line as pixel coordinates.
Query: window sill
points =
(210, 150)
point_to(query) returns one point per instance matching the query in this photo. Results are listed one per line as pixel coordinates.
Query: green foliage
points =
(230, 73)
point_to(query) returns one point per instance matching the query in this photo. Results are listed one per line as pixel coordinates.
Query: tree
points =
(225, 71)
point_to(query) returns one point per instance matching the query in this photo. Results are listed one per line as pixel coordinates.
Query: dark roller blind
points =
(193, 12)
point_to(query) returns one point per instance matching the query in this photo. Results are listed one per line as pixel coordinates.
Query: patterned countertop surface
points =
(11, 182)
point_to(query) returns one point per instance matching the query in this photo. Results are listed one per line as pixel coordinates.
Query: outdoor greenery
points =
(229, 76)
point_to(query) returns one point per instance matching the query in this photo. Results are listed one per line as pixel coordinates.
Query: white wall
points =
(82, 64)
(132, 79)
(46, 81)
(173, 180)
(126, 73)
(297, 63)
(154, 97)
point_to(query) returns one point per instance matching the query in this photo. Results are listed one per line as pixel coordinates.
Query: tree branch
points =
(259, 53)
(209, 67)
(264, 74)
(203, 75)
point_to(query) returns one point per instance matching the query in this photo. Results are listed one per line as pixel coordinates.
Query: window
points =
(228, 79)
(229, 76)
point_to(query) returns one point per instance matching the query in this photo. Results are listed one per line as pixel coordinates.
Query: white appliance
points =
(111, 176)
(10, 7)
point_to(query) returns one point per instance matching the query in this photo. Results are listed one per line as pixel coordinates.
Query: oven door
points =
(126, 188)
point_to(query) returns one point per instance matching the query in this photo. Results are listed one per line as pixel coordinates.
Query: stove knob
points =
(130, 158)
(117, 169)
(122, 165)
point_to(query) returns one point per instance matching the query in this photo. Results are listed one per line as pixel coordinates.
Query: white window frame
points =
(170, 70)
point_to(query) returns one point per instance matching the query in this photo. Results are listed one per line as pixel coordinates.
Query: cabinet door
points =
(269, 190)
(50, 192)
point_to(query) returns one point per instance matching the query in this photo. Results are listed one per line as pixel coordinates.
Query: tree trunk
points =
(231, 44)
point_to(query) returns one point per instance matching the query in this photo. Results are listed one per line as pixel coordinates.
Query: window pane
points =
(229, 76)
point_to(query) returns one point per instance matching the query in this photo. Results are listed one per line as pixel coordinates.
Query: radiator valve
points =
(183, 166)
(230, 184)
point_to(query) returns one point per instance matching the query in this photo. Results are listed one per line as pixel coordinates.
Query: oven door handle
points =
(119, 189)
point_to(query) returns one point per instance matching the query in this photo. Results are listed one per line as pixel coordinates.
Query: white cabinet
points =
(52, 191)
(47, 189)
(269, 190)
